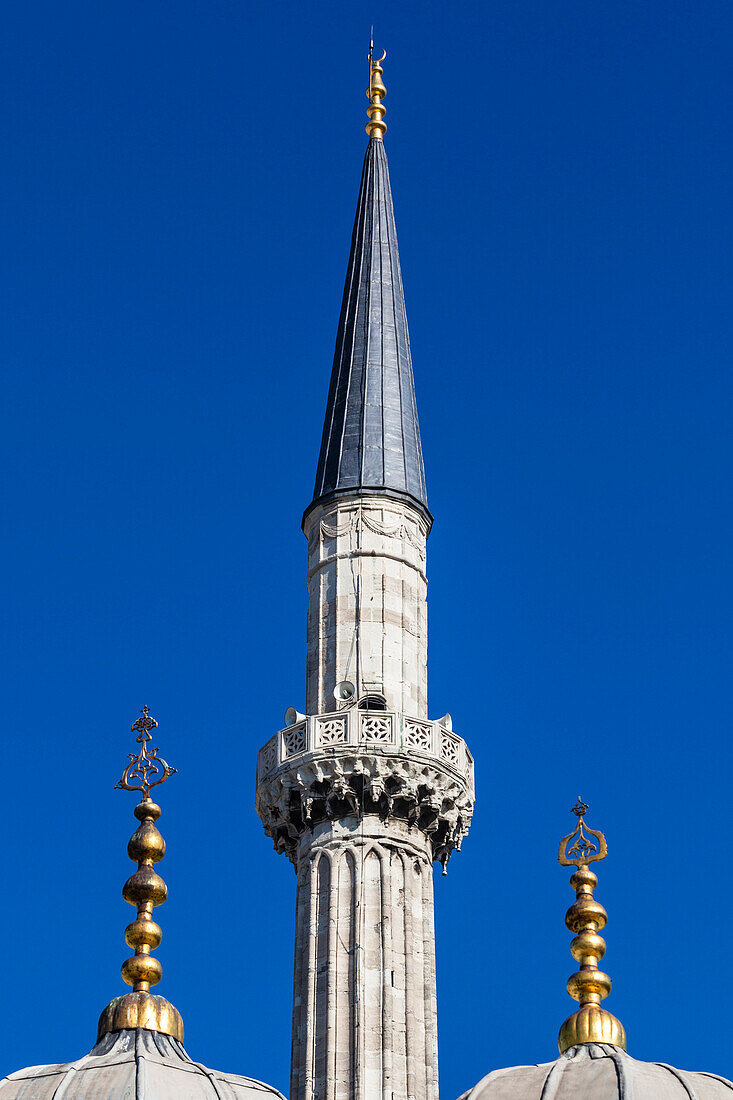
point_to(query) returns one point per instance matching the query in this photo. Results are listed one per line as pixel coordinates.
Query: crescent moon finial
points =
(376, 126)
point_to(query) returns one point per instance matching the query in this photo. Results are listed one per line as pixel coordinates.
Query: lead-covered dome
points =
(133, 1065)
(597, 1071)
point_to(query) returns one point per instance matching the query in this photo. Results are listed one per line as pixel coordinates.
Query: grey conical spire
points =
(371, 436)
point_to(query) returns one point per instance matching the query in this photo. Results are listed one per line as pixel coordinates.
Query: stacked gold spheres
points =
(376, 126)
(586, 918)
(144, 889)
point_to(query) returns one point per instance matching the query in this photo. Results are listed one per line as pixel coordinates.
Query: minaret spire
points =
(371, 436)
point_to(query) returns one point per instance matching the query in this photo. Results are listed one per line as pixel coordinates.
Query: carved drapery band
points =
(367, 518)
(351, 784)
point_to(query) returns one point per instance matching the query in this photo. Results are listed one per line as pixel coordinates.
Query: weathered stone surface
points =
(367, 603)
(362, 800)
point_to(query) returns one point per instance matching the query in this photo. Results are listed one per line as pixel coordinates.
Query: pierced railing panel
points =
(382, 731)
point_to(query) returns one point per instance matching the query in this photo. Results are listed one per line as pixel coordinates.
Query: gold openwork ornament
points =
(583, 850)
(146, 769)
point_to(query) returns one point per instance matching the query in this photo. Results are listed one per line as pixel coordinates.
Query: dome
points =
(139, 1054)
(598, 1071)
(132, 1065)
(593, 1063)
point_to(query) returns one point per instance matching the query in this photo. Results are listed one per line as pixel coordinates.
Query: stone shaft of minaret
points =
(367, 603)
(363, 792)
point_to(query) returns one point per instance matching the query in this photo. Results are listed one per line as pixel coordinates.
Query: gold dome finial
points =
(586, 918)
(376, 126)
(144, 889)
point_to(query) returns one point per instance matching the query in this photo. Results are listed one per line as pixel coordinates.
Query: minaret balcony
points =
(380, 732)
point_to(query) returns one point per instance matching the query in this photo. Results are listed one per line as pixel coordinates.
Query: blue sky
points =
(180, 182)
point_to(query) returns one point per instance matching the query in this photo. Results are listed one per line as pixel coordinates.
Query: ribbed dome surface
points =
(595, 1071)
(132, 1065)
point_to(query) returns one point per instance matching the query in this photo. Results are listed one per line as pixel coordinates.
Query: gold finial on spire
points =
(586, 918)
(144, 889)
(376, 126)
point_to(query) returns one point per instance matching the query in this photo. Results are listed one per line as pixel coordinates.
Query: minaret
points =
(364, 792)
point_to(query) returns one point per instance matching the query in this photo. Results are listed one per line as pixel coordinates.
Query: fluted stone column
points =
(364, 1002)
